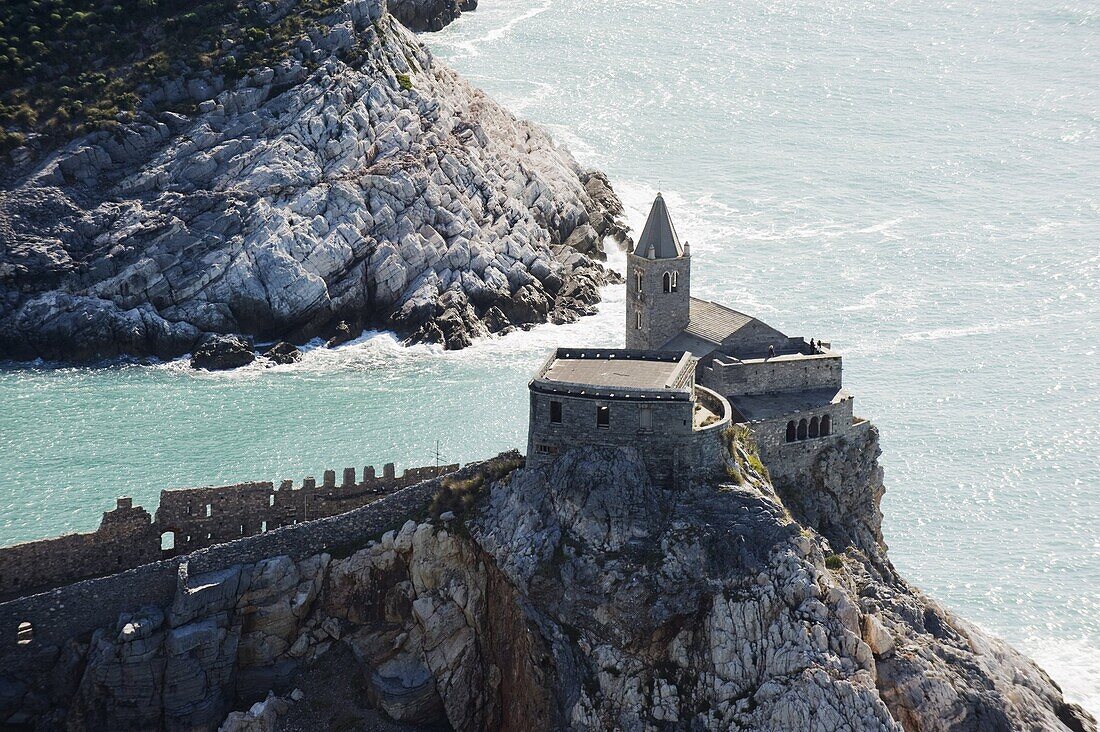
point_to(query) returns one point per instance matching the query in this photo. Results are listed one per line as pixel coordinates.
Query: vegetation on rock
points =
(72, 66)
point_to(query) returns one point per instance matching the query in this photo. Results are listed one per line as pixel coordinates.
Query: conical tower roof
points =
(659, 234)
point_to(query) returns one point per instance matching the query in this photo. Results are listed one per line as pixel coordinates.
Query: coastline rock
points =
(223, 352)
(429, 15)
(283, 353)
(357, 180)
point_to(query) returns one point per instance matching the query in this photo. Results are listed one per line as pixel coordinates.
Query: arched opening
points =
(813, 427)
(666, 280)
(168, 541)
(24, 634)
(792, 431)
(675, 281)
(802, 429)
(637, 281)
(826, 425)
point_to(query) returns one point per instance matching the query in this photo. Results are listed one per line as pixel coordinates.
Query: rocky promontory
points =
(580, 595)
(352, 179)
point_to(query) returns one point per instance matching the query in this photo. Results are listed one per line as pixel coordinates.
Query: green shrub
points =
(405, 81)
(833, 561)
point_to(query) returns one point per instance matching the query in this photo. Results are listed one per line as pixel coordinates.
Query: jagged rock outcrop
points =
(580, 595)
(223, 352)
(356, 180)
(429, 15)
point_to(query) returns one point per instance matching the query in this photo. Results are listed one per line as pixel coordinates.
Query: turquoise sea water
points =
(918, 182)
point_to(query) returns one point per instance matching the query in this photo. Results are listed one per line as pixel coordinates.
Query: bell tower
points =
(658, 283)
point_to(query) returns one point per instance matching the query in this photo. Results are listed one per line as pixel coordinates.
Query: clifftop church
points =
(689, 366)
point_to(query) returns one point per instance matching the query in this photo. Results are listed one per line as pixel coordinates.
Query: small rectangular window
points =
(208, 509)
(555, 412)
(603, 416)
(645, 418)
(638, 320)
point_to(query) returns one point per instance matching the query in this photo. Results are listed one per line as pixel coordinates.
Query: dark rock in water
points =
(609, 218)
(223, 352)
(527, 305)
(429, 15)
(283, 353)
(342, 335)
(495, 320)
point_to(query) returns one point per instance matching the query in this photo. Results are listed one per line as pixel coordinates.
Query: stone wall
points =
(201, 517)
(125, 538)
(670, 427)
(128, 537)
(60, 615)
(670, 444)
(733, 378)
(785, 460)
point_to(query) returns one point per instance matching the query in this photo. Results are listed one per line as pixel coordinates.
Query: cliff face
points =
(357, 179)
(580, 596)
(429, 15)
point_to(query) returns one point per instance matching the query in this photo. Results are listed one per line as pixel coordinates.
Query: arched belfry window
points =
(675, 282)
(813, 427)
(826, 424)
(792, 431)
(802, 425)
(667, 281)
(637, 281)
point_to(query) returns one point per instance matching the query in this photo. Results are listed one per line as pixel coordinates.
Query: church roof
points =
(710, 325)
(659, 233)
(713, 322)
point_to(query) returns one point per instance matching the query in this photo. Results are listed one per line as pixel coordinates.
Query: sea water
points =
(916, 182)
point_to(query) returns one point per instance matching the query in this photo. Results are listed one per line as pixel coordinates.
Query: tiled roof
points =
(713, 322)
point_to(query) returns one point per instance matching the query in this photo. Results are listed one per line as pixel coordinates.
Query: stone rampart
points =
(125, 538)
(202, 517)
(46, 621)
(191, 519)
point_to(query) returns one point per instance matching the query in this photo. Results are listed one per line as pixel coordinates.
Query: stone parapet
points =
(190, 519)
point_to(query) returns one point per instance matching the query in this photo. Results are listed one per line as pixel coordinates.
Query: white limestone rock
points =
(295, 200)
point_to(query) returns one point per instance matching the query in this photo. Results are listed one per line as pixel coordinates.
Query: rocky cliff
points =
(429, 15)
(580, 595)
(354, 179)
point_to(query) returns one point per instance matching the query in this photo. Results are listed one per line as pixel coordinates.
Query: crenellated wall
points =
(190, 519)
(202, 517)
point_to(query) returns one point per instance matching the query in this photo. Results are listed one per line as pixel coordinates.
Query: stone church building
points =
(683, 351)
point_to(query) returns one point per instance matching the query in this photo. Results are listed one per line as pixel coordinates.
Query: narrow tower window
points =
(638, 320)
(645, 418)
(675, 282)
(555, 412)
(603, 416)
(637, 281)
(667, 281)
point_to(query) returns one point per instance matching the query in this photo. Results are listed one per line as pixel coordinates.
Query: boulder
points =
(283, 353)
(223, 352)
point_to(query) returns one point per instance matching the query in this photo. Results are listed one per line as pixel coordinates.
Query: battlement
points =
(189, 519)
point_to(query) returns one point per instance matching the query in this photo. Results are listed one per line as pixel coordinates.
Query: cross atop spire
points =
(659, 239)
